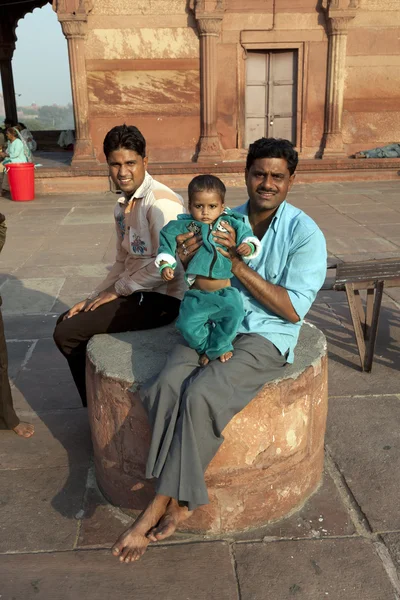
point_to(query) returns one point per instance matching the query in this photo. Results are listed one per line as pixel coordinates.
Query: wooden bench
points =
(372, 276)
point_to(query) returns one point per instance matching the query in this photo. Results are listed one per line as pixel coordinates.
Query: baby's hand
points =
(244, 249)
(167, 274)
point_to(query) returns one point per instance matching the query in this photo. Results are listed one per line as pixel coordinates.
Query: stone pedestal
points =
(272, 457)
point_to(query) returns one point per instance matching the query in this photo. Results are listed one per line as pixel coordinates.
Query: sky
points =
(40, 61)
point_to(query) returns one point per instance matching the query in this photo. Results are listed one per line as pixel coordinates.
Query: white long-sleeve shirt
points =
(138, 221)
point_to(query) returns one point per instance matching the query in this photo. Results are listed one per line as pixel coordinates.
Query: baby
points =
(211, 310)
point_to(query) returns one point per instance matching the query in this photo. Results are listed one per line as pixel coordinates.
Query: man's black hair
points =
(273, 148)
(207, 183)
(124, 136)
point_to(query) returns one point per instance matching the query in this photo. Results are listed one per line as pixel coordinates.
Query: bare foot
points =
(226, 356)
(174, 515)
(25, 430)
(203, 360)
(132, 544)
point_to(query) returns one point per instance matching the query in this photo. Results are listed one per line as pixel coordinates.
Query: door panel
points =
(256, 100)
(270, 97)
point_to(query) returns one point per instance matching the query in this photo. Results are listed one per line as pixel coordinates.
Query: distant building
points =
(202, 79)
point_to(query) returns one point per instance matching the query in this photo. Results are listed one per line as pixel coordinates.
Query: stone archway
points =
(72, 15)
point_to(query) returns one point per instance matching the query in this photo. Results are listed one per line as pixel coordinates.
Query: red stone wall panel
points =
(227, 95)
(169, 138)
(313, 127)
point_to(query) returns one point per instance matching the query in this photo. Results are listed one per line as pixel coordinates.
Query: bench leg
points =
(356, 317)
(369, 312)
(373, 329)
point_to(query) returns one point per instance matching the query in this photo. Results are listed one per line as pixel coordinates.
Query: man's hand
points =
(229, 241)
(187, 245)
(107, 295)
(85, 305)
(77, 308)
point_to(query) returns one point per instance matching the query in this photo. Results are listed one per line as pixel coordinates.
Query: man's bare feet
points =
(25, 430)
(132, 544)
(226, 356)
(203, 360)
(174, 515)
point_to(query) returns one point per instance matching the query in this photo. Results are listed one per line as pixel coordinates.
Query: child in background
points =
(211, 310)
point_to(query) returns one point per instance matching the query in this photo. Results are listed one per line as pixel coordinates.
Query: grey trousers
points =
(189, 406)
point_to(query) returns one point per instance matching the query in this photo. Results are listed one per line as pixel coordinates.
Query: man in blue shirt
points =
(188, 406)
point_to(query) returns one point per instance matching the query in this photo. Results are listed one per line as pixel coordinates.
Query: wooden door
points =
(271, 92)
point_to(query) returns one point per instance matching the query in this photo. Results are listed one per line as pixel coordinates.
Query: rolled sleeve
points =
(305, 272)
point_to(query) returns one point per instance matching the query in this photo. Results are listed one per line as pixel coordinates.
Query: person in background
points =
(8, 417)
(66, 140)
(27, 136)
(17, 152)
(17, 149)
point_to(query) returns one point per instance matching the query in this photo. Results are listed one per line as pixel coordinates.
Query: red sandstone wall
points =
(142, 59)
(372, 87)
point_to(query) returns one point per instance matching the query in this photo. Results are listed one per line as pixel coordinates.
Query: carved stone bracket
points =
(338, 21)
(209, 27)
(72, 15)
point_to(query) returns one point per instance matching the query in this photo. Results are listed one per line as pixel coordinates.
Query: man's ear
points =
(145, 162)
(291, 181)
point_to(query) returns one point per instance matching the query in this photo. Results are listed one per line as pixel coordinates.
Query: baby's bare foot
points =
(203, 360)
(226, 356)
(25, 430)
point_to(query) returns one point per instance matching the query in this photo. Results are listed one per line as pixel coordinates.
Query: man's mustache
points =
(266, 191)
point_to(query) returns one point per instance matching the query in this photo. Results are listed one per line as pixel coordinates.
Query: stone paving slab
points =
(61, 439)
(68, 256)
(67, 271)
(200, 572)
(363, 436)
(30, 296)
(90, 216)
(368, 243)
(344, 371)
(45, 391)
(38, 509)
(323, 515)
(392, 541)
(46, 357)
(340, 569)
(17, 352)
(30, 326)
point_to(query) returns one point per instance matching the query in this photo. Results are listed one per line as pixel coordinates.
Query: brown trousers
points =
(8, 418)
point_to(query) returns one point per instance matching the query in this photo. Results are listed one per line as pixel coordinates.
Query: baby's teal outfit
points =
(208, 320)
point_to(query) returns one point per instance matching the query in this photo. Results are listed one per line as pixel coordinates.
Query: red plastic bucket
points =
(21, 177)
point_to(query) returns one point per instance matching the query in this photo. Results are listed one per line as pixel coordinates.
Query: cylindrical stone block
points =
(272, 457)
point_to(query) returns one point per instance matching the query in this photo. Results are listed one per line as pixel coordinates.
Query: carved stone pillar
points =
(75, 30)
(338, 22)
(209, 27)
(7, 81)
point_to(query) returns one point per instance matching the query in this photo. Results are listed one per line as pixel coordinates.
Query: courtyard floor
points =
(55, 528)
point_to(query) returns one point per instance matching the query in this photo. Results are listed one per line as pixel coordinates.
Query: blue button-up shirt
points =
(293, 255)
